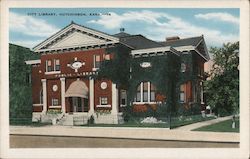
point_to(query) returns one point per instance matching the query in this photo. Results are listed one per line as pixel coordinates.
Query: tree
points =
(19, 83)
(223, 89)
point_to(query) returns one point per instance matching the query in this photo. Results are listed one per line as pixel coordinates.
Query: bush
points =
(91, 120)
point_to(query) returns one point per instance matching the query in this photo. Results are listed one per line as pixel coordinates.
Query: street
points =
(35, 141)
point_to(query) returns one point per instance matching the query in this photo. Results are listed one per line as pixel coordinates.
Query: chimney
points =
(172, 38)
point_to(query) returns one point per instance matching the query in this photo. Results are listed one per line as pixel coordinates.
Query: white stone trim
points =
(55, 106)
(32, 62)
(95, 69)
(144, 102)
(91, 96)
(63, 95)
(114, 99)
(184, 48)
(44, 84)
(37, 105)
(103, 106)
(52, 72)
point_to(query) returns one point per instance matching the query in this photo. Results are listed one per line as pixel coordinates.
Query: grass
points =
(26, 122)
(175, 122)
(224, 126)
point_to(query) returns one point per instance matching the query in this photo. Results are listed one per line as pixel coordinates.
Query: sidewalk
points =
(203, 123)
(127, 133)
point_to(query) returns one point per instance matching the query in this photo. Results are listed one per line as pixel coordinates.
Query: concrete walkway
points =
(126, 133)
(204, 123)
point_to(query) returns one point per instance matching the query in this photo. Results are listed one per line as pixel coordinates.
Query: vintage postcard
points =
(82, 78)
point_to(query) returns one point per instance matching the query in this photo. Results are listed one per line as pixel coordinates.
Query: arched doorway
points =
(77, 94)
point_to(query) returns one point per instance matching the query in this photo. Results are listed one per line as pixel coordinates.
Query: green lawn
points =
(175, 122)
(224, 126)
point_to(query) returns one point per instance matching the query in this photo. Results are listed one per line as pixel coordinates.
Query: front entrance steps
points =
(80, 118)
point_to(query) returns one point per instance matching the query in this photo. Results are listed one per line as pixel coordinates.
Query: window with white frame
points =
(55, 102)
(123, 97)
(145, 92)
(103, 100)
(182, 93)
(57, 65)
(49, 67)
(97, 61)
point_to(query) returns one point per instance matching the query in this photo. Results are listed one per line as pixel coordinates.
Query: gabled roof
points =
(194, 43)
(81, 32)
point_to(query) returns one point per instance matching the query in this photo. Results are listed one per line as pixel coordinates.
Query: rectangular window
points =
(182, 93)
(145, 91)
(55, 102)
(57, 64)
(103, 100)
(48, 66)
(138, 93)
(152, 92)
(123, 98)
(97, 61)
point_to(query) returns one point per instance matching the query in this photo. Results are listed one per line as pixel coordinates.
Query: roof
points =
(121, 35)
(139, 42)
(193, 41)
(197, 42)
(73, 26)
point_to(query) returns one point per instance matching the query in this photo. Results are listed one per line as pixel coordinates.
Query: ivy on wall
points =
(19, 83)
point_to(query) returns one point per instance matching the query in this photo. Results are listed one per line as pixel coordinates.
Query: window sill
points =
(95, 69)
(123, 105)
(37, 105)
(103, 106)
(52, 72)
(144, 102)
(55, 106)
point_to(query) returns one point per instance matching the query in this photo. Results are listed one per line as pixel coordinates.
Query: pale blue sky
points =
(217, 25)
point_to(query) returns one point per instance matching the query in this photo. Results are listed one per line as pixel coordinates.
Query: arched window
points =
(145, 92)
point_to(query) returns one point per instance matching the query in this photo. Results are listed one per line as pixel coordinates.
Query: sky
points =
(30, 26)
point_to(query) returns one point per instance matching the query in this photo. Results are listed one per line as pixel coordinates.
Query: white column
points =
(114, 99)
(91, 96)
(141, 91)
(63, 95)
(44, 95)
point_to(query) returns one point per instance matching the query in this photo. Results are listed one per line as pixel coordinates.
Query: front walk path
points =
(127, 133)
(203, 123)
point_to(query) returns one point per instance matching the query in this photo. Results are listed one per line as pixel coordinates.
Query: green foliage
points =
(223, 89)
(20, 88)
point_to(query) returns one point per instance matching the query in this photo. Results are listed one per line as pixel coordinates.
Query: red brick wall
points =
(53, 94)
(68, 57)
(99, 92)
(36, 86)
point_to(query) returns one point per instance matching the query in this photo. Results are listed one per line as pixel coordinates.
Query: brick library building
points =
(62, 77)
